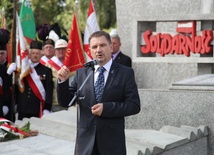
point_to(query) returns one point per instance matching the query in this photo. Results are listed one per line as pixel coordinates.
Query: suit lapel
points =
(111, 77)
(90, 84)
(118, 57)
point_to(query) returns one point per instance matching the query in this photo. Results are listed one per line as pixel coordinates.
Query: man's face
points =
(48, 51)
(3, 56)
(35, 55)
(116, 45)
(100, 49)
(60, 53)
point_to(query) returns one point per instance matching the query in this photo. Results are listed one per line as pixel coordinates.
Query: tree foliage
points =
(61, 12)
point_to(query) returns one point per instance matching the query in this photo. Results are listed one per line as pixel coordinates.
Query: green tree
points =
(8, 7)
(61, 12)
(105, 12)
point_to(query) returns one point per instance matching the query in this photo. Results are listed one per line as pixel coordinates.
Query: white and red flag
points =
(188, 27)
(23, 66)
(91, 26)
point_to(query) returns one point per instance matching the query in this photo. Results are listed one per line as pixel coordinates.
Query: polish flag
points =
(91, 26)
(188, 27)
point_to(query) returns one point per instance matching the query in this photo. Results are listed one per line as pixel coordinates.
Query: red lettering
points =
(197, 44)
(146, 48)
(175, 44)
(208, 40)
(166, 43)
(179, 44)
(153, 42)
(189, 44)
(159, 49)
(183, 48)
(203, 38)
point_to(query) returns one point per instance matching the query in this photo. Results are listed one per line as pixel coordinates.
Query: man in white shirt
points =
(55, 64)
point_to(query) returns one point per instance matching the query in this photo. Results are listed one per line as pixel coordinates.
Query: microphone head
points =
(91, 63)
(96, 62)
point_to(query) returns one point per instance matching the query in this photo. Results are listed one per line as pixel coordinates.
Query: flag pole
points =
(93, 2)
(2, 19)
(13, 49)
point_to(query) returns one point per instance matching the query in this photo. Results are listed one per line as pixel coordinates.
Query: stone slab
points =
(157, 138)
(179, 131)
(197, 131)
(201, 82)
(54, 129)
(67, 117)
(38, 145)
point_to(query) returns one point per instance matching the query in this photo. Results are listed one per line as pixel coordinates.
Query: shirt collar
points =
(107, 66)
(33, 64)
(115, 55)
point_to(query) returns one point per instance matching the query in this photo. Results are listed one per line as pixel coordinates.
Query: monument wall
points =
(156, 73)
(153, 70)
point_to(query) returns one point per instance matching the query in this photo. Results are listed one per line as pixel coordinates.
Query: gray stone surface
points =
(175, 108)
(198, 147)
(38, 145)
(180, 132)
(160, 72)
(57, 136)
(201, 80)
(159, 139)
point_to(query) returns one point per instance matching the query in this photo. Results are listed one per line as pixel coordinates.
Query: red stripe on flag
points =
(186, 27)
(91, 8)
(90, 27)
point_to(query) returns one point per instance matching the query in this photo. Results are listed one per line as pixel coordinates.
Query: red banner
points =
(74, 58)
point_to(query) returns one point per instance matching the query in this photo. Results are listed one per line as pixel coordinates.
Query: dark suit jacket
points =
(120, 98)
(123, 60)
(27, 102)
(4, 97)
(9, 79)
(5, 64)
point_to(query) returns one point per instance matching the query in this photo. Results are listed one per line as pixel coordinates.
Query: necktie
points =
(98, 87)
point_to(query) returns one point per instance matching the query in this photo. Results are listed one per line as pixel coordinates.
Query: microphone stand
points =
(76, 94)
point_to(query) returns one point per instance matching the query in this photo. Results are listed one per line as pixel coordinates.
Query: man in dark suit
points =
(36, 99)
(4, 95)
(4, 39)
(6, 98)
(117, 55)
(101, 123)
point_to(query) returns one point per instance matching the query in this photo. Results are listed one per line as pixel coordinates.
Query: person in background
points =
(55, 63)
(4, 39)
(36, 99)
(4, 95)
(47, 51)
(109, 95)
(117, 55)
(3, 57)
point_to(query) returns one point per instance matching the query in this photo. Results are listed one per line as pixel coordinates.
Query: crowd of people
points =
(49, 54)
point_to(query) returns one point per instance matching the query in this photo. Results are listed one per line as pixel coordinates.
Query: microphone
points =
(91, 63)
